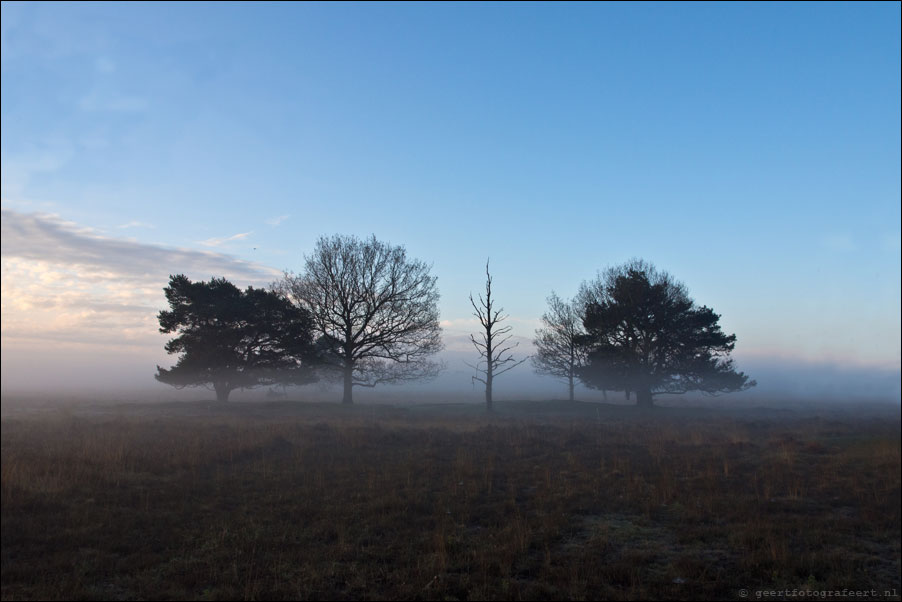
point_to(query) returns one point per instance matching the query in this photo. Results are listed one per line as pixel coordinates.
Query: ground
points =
(553, 500)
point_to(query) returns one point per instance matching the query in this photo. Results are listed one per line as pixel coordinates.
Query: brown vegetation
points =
(574, 501)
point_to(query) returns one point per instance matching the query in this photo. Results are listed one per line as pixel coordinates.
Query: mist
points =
(609, 297)
(73, 372)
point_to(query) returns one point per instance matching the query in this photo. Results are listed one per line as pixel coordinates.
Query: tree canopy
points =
(559, 349)
(232, 339)
(646, 335)
(374, 309)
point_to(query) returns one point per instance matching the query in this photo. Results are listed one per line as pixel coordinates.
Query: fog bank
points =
(77, 372)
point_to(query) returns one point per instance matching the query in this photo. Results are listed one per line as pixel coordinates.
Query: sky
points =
(751, 150)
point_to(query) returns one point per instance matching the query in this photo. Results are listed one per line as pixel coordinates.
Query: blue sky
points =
(752, 150)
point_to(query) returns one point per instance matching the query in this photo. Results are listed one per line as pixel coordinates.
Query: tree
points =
(645, 334)
(231, 339)
(494, 349)
(375, 311)
(559, 349)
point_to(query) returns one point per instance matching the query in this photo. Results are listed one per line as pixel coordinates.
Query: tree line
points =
(363, 313)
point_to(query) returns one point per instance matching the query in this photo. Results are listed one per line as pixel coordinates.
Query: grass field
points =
(548, 500)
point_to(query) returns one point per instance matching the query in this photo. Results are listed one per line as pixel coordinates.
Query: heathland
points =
(553, 500)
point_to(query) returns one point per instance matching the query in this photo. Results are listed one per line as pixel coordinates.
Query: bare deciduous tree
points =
(375, 310)
(559, 351)
(494, 350)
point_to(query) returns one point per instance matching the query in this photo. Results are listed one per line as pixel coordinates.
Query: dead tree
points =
(494, 350)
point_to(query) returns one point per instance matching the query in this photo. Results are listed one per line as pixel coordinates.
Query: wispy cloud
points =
(461, 344)
(134, 224)
(19, 169)
(66, 282)
(839, 242)
(93, 142)
(275, 221)
(104, 64)
(459, 325)
(114, 102)
(47, 237)
(891, 242)
(522, 326)
(216, 242)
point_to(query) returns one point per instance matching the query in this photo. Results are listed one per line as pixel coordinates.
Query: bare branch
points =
(560, 351)
(511, 367)
(494, 354)
(375, 309)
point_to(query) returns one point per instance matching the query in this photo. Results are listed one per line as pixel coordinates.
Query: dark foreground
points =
(541, 501)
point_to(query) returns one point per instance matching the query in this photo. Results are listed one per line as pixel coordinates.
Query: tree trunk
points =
(349, 385)
(644, 398)
(222, 391)
(571, 388)
(489, 368)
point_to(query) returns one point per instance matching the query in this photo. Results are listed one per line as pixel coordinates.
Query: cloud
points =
(520, 326)
(65, 282)
(17, 172)
(104, 64)
(215, 242)
(94, 142)
(113, 102)
(839, 242)
(460, 324)
(892, 242)
(135, 224)
(461, 343)
(47, 237)
(275, 221)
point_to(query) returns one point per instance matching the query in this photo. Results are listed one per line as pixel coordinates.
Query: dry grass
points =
(291, 501)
